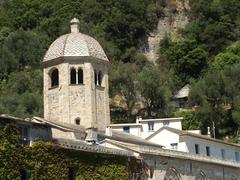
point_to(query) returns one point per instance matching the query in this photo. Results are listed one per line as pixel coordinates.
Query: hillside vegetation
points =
(206, 57)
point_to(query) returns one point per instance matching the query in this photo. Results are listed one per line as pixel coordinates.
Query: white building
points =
(167, 132)
(146, 127)
(181, 98)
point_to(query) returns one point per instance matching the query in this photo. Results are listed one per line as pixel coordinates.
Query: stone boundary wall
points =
(187, 156)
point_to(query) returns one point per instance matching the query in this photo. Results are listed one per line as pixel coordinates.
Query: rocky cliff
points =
(175, 17)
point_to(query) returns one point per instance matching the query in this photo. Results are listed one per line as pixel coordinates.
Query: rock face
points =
(175, 18)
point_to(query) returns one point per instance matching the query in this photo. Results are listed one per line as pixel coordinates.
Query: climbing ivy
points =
(45, 160)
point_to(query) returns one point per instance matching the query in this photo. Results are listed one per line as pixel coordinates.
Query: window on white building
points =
(196, 148)
(165, 123)
(237, 156)
(150, 126)
(174, 146)
(223, 153)
(207, 150)
(126, 129)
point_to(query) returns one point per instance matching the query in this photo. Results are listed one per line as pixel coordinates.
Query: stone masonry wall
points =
(184, 169)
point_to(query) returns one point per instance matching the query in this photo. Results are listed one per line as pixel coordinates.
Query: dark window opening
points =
(95, 77)
(166, 123)
(151, 172)
(126, 129)
(24, 137)
(73, 76)
(196, 148)
(100, 78)
(80, 76)
(23, 174)
(71, 173)
(223, 153)
(208, 151)
(237, 156)
(54, 78)
(150, 126)
(174, 146)
(77, 121)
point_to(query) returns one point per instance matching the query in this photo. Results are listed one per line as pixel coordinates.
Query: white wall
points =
(141, 130)
(134, 130)
(159, 124)
(166, 138)
(215, 147)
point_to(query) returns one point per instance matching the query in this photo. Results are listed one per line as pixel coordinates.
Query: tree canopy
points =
(206, 56)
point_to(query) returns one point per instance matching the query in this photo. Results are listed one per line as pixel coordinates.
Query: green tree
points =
(122, 81)
(208, 95)
(230, 57)
(184, 57)
(216, 96)
(190, 120)
(154, 87)
(21, 94)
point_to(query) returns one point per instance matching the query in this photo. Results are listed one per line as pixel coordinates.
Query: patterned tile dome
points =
(75, 44)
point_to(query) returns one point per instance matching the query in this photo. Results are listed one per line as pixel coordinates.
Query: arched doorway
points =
(172, 174)
(201, 176)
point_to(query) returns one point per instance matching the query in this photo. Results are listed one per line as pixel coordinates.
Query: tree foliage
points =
(154, 86)
(216, 96)
(227, 58)
(28, 27)
(185, 57)
(207, 51)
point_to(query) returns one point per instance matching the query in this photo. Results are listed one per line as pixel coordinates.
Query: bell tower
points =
(76, 80)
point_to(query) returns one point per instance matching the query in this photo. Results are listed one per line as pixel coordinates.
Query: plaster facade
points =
(187, 143)
(141, 127)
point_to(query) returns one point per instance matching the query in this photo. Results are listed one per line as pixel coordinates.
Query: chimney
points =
(108, 131)
(137, 120)
(208, 132)
(92, 136)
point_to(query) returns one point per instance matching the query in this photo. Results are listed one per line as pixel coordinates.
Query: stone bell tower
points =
(76, 80)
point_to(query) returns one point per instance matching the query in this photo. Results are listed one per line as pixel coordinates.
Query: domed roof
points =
(75, 44)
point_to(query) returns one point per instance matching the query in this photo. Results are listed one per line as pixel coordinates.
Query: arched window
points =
(54, 78)
(77, 121)
(99, 78)
(80, 76)
(23, 174)
(201, 176)
(73, 76)
(233, 178)
(95, 77)
(172, 174)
